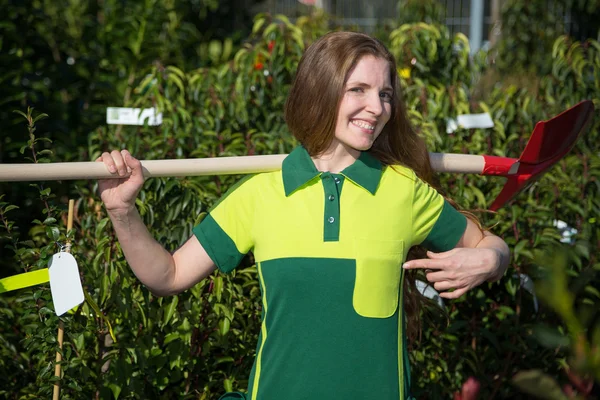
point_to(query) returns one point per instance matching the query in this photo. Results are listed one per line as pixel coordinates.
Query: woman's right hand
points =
(119, 194)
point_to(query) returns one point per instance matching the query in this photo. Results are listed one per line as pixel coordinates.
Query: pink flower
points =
(469, 391)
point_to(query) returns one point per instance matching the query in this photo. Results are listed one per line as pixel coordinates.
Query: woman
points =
(329, 232)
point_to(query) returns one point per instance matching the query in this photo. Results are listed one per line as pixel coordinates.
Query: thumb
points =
(133, 164)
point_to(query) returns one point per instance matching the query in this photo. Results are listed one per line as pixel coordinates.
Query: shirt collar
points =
(298, 169)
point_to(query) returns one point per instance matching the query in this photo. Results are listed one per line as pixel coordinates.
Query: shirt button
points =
(331, 220)
(331, 197)
(337, 180)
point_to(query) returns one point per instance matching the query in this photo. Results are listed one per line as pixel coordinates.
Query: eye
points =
(387, 96)
(356, 89)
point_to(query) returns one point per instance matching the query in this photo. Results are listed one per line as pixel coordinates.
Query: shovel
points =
(549, 142)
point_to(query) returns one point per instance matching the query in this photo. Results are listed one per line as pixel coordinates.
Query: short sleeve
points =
(226, 232)
(436, 224)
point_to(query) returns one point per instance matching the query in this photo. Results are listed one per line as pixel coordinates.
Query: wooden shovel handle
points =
(453, 163)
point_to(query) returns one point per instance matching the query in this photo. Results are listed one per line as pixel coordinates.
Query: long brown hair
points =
(318, 89)
(319, 86)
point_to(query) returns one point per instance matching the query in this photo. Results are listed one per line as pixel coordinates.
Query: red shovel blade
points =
(550, 141)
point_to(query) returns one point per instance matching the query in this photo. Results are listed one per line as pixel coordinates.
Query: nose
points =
(374, 104)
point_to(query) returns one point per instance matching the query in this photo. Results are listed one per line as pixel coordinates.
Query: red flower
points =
(270, 46)
(258, 62)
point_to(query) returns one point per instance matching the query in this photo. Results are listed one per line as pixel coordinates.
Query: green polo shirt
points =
(329, 249)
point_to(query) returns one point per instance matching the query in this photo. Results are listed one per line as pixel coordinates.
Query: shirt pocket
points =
(378, 275)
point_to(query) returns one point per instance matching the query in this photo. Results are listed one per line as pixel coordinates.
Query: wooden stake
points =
(61, 326)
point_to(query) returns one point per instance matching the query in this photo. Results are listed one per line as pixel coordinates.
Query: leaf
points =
(479, 195)
(40, 117)
(593, 291)
(257, 25)
(115, 389)
(226, 359)
(218, 287)
(538, 384)
(520, 246)
(21, 113)
(142, 313)
(170, 311)
(53, 232)
(90, 301)
(550, 337)
(49, 220)
(223, 309)
(10, 207)
(228, 385)
(224, 325)
(99, 231)
(44, 153)
(171, 337)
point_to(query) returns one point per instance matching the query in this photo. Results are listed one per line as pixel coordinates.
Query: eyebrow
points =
(364, 85)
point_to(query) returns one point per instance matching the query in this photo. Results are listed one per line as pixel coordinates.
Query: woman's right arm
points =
(162, 272)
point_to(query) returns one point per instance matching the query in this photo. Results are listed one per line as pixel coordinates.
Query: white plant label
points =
(470, 121)
(65, 283)
(133, 116)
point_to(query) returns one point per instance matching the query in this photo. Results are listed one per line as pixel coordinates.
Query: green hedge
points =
(202, 342)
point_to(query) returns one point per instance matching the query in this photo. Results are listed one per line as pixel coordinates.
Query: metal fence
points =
(458, 15)
(369, 14)
(365, 14)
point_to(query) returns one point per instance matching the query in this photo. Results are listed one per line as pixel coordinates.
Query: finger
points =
(438, 276)
(444, 254)
(425, 263)
(109, 162)
(119, 162)
(443, 286)
(455, 294)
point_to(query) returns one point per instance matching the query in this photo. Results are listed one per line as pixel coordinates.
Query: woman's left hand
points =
(460, 269)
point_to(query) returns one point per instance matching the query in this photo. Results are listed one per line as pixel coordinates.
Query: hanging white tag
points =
(133, 116)
(65, 283)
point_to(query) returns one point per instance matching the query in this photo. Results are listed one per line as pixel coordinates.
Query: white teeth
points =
(362, 124)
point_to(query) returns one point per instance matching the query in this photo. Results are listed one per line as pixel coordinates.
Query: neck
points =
(335, 159)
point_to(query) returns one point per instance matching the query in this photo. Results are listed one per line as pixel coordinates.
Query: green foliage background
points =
(224, 96)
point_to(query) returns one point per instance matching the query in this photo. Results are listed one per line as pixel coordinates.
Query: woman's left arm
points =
(478, 257)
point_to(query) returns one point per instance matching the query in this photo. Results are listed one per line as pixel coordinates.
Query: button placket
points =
(332, 186)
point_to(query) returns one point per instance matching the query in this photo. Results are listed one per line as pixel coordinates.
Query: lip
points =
(368, 121)
(365, 130)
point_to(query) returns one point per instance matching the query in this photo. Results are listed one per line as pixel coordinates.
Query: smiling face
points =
(365, 108)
